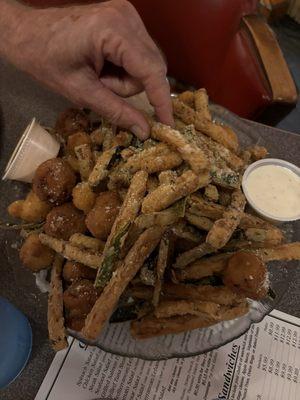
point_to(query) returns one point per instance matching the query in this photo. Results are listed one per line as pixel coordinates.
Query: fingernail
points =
(139, 132)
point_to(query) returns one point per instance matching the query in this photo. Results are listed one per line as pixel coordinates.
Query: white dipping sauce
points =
(275, 190)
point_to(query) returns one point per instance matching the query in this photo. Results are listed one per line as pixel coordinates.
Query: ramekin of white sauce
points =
(272, 188)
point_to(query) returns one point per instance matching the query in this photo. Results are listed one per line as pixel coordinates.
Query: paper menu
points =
(263, 364)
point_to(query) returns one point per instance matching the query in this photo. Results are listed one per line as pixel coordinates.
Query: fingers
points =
(89, 92)
(123, 86)
(141, 59)
(158, 92)
(152, 74)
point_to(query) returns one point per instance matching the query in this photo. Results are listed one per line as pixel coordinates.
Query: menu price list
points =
(263, 364)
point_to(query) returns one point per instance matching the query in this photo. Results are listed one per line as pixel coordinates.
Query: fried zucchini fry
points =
(211, 193)
(257, 152)
(152, 183)
(200, 206)
(199, 221)
(87, 242)
(127, 213)
(188, 151)
(162, 263)
(195, 253)
(225, 177)
(217, 154)
(108, 300)
(216, 132)
(100, 170)
(187, 232)
(122, 139)
(223, 228)
(162, 218)
(56, 321)
(85, 160)
(170, 308)
(242, 244)
(167, 177)
(71, 252)
(203, 268)
(288, 252)
(154, 159)
(139, 292)
(150, 326)
(165, 195)
(201, 103)
(272, 235)
(216, 294)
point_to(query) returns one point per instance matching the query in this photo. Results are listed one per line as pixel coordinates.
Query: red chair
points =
(224, 46)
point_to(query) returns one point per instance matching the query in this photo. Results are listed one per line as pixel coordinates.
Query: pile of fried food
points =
(154, 232)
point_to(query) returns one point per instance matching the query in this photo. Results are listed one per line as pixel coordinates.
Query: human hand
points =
(68, 49)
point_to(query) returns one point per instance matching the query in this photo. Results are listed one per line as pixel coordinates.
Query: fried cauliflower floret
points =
(74, 271)
(79, 299)
(53, 181)
(63, 221)
(70, 121)
(247, 275)
(34, 255)
(102, 216)
(77, 139)
(83, 197)
(32, 209)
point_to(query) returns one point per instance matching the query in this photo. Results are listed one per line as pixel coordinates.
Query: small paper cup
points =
(256, 165)
(35, 146)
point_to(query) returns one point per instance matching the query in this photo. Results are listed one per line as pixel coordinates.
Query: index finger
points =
(142, 60)
(158, 91)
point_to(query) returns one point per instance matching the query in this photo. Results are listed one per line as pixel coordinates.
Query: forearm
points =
(11, 16)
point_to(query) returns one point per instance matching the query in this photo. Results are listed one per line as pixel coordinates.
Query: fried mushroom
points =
(74, 271)
(79, 298)
(53, 181)
(247, 275)
(63, 221)
(102, 216)
(71, 121)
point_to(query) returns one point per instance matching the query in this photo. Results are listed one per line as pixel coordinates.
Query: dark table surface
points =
(20, 100)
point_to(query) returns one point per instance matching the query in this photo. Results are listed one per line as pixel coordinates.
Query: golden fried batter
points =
(63, 221)
(74, 271)
(53, 181)
(32, 209)
(70, 121)
(34, 255)
(247, 275)
(83, 197)
(79, 298)
(77, 139)
(102, 216)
